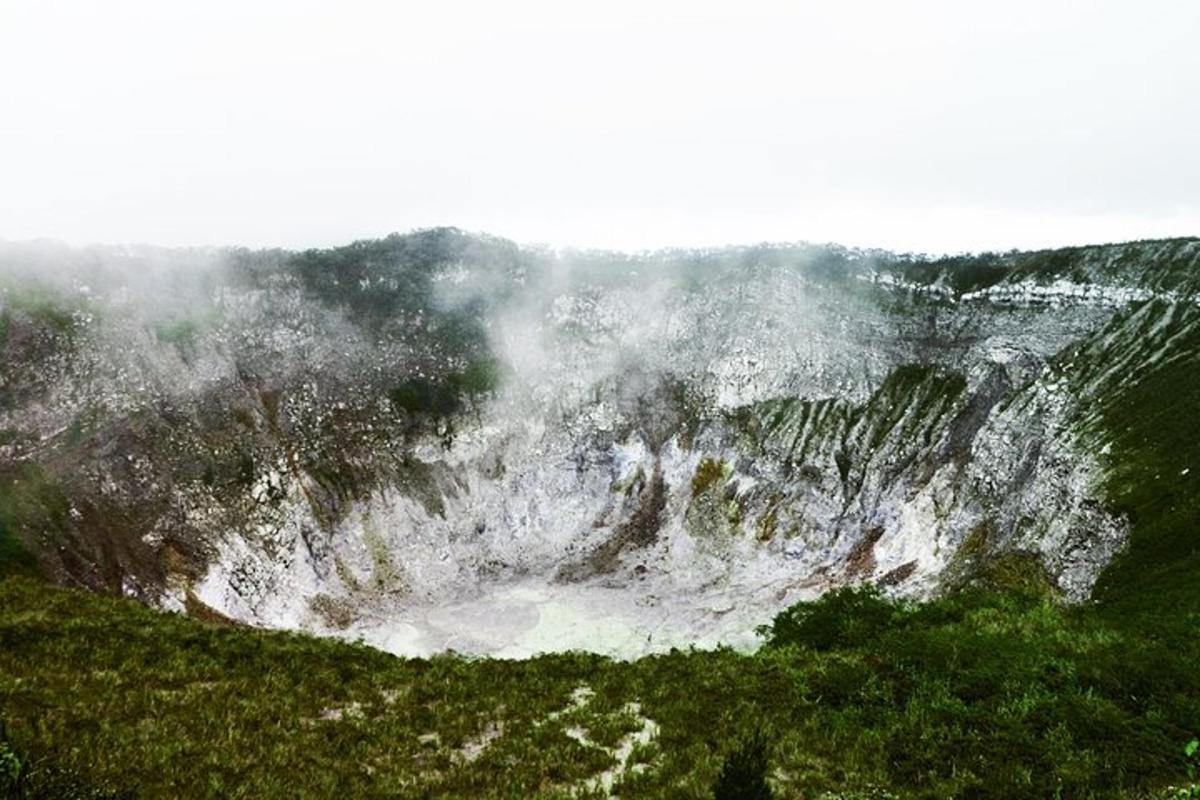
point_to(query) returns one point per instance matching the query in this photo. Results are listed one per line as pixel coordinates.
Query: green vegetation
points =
(22, 778)
(37, 327)
(481, 376)
(30, 501)
(1154, 478)
(845, 617)
(444, 397)
(183, 332)
(1163, 264)
(390, 282)
(1191, 752)
(423, 396)
(14, 558)
(38, 305)
(909, 404)
(962, 273)
(744, 774)
(179, 332)
(979, 695)
(37, 323)
(708, 472)
(899, 419)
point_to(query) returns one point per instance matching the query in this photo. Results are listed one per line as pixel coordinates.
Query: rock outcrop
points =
(445, 441)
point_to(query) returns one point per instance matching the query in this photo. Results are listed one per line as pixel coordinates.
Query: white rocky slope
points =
(484, 572)
(675, 450)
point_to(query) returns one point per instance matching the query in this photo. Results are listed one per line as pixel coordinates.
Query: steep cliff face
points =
(446, 441)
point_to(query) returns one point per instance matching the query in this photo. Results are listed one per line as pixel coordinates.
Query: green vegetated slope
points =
(1163, 265)
(1147, 406)
(979, 695)
(986, 693)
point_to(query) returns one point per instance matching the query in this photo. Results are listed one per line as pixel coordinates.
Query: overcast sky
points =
(925, 126)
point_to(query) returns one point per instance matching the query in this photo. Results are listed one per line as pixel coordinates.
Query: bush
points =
(744, 774)
(481, 376)
(10, 769)
(1192, 753)
(846, 617)
(422, 396)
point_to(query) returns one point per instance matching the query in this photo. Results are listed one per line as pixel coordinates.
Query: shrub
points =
(481, 376)
(743, 776)
(846, 617)
(422, 396)
(708, 472)
(10, 769)
(1191, 752)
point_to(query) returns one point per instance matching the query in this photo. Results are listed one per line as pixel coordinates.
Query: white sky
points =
(928, 126)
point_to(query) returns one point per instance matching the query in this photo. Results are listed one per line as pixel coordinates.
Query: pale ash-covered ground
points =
(674, 450)
(550, 471)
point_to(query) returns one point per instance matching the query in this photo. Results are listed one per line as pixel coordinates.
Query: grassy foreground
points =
(979, 695)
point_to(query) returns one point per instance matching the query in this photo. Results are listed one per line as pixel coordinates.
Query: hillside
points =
(982, 695)
(986, 466)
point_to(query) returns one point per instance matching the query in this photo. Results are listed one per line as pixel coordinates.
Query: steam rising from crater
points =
(441, 441)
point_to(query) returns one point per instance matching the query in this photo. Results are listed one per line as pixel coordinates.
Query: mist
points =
(930, 127)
